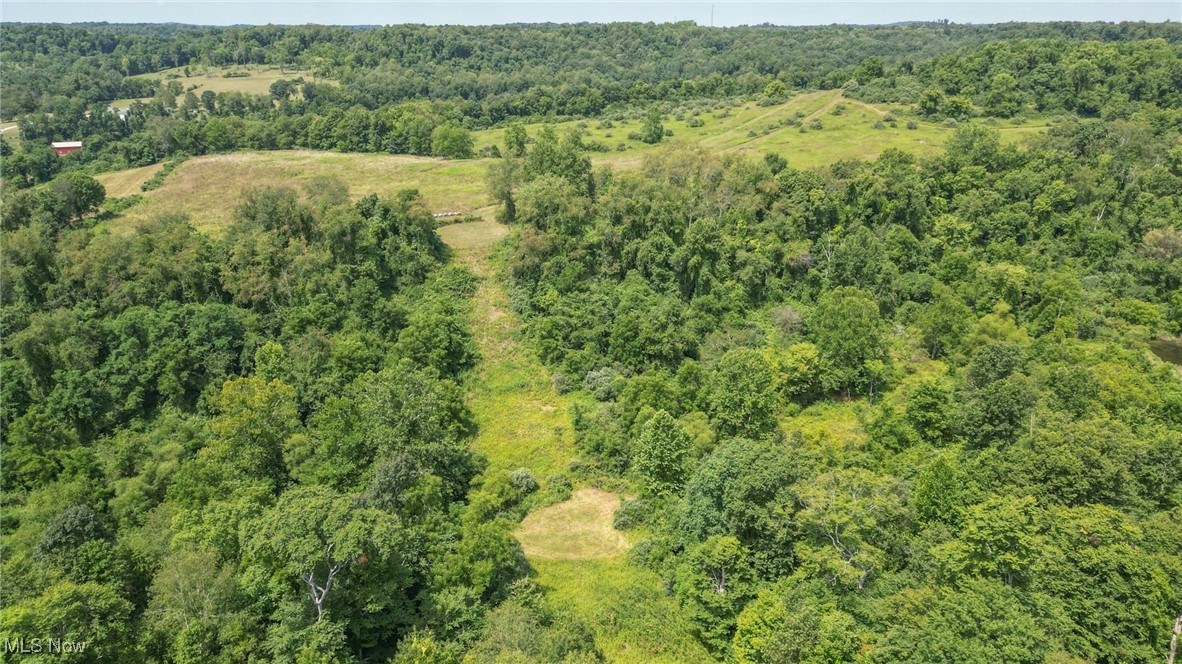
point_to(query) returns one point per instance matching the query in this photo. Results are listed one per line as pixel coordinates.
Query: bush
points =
(695, 122)
(524, 481)
(564, 384)
(879, 125)
(603, 384)
(912, 124)
(816, 124)
(632, 514)
(559, 487)
(788, 319)
(157, 180)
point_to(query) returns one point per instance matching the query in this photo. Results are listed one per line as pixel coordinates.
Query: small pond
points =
(1170, 351)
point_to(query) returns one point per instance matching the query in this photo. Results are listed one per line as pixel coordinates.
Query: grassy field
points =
(208, 188)
(633, 619)
(577, 529)
(126, 183)
(210, 185)
(752, 129)
(258, 80)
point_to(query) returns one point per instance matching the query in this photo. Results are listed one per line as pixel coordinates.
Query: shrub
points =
(632, 513)
(816, 124)
(912, 124)
(559, 487)
(603, 384)
(524, 481)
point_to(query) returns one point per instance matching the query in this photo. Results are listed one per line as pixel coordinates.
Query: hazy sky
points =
(725, 12)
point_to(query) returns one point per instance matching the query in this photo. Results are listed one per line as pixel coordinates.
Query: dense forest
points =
(899, 409)
(1017, 494)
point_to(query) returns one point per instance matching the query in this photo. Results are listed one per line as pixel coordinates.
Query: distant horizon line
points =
(574, 23)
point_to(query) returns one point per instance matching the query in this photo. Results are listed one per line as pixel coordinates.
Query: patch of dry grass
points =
(577, 529)
(125, 183)
(209, 188)
(257, 82)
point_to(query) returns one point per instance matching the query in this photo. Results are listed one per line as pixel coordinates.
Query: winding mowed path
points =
(576, 554)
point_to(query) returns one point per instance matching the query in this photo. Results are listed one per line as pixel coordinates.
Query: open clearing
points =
(257, 80)
(209, 188)
(577, 529)
(125, 183)
(632, 617)
(523, 422)
(749, 128)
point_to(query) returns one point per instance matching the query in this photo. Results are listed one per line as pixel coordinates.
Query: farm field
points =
(208, 188)
(752, 129)
(258, 80)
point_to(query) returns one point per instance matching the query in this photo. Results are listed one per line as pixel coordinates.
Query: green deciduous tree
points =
(743, 400)
(651, 130)
(849, 333)
(659, 454)
(451, 141)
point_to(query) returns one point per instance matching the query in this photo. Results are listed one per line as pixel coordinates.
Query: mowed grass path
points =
(523, 422)
(579, 558)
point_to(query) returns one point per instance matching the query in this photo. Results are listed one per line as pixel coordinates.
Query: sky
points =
(718, 12)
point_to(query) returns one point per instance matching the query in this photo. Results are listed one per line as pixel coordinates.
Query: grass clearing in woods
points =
(577, 529)
(850, 135)
(632, 617)
(257, 81)
(209, 188)
(523, 422)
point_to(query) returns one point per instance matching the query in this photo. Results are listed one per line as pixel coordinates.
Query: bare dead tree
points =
(1174, 640)
(319, 592)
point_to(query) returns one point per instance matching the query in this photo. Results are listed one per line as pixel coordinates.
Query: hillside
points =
(593, 343)
(203, 185)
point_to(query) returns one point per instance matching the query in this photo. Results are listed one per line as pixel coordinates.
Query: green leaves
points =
(850, 335)
(1000, 540)
(659, 454)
